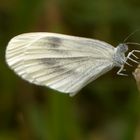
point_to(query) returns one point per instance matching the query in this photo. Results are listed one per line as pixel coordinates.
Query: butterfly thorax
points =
(119, 55)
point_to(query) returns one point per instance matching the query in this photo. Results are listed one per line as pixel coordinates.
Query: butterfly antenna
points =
(130, 36)
(132, 43)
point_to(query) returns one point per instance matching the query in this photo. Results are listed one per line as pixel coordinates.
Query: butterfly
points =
(62, 62)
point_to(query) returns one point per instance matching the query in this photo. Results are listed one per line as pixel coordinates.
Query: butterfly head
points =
(122, 48)
(119, 55)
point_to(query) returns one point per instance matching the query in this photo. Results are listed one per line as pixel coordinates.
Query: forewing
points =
(62, 62)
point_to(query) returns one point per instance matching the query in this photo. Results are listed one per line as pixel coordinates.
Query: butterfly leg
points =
(120, 71)
(128, 58)
(132, 54)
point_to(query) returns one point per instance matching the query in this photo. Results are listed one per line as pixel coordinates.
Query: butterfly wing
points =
(61, 62)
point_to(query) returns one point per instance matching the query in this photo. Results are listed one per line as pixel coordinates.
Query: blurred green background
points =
(106, 109)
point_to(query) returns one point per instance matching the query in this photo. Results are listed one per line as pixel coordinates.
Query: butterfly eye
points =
(123, 48)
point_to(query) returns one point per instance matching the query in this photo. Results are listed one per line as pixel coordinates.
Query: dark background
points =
(106, 109)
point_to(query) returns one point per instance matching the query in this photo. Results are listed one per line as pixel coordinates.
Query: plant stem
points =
(136, 75)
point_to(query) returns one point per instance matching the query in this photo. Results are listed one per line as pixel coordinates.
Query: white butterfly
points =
(61, 62)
